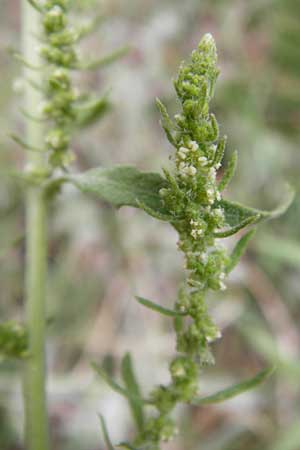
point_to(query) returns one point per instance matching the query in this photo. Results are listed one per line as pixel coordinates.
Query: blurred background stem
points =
(36, 421)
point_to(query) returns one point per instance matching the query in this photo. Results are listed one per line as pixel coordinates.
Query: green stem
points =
(36, 420)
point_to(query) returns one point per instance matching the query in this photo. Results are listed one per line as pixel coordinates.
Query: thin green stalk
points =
(36, 421)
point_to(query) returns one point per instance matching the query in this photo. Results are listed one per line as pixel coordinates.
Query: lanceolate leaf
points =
(229, 172)
(129, 395)
(235, 390)
(105, 434)
(111, 383)
(158, 308)
(135, 401)
(239, 250)
(126, 185)
(236, 213)
(88, 114)
(123, 185)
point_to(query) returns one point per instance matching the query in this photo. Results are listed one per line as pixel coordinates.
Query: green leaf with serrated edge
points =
(158, 308)
(123, 185)
(105, 433)
(235, 390)
(229, 172)
(135, 401)
(239, 250)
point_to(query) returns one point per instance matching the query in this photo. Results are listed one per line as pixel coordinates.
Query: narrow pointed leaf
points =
(116, 386)
(104, 61)
(236, 213)
(235, 390)
(25, 145)
(220, 151)
(166, 122)
(36, 6)
(108, 380)
(239, 226)
(229, 172)
(90, 113)
(105, 433)
(158, 308)
(135, 401)
(239, 250)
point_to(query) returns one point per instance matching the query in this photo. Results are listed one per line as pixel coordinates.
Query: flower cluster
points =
(58, 52)
(63, 106)
(192, 199)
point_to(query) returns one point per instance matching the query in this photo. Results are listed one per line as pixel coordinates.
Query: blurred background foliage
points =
(100, 259)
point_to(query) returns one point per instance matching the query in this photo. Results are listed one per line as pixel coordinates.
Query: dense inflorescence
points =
(60, 56)
(64, 107)
(192, 198)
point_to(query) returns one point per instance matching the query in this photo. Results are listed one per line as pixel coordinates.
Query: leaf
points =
(239, 250)
(229, 172)
(115, 386)
(239, 226)
(236, 389)
(236, 213)
(123, 185)
(158, 308)
(166, 122)
(105, 433)
(108, 380)
(238, 216)
(135, 400)
(36, 6)
(103, 61)
(89, 113)
(126, 185)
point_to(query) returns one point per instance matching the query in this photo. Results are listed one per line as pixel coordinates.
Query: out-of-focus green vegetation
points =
(99, 259)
